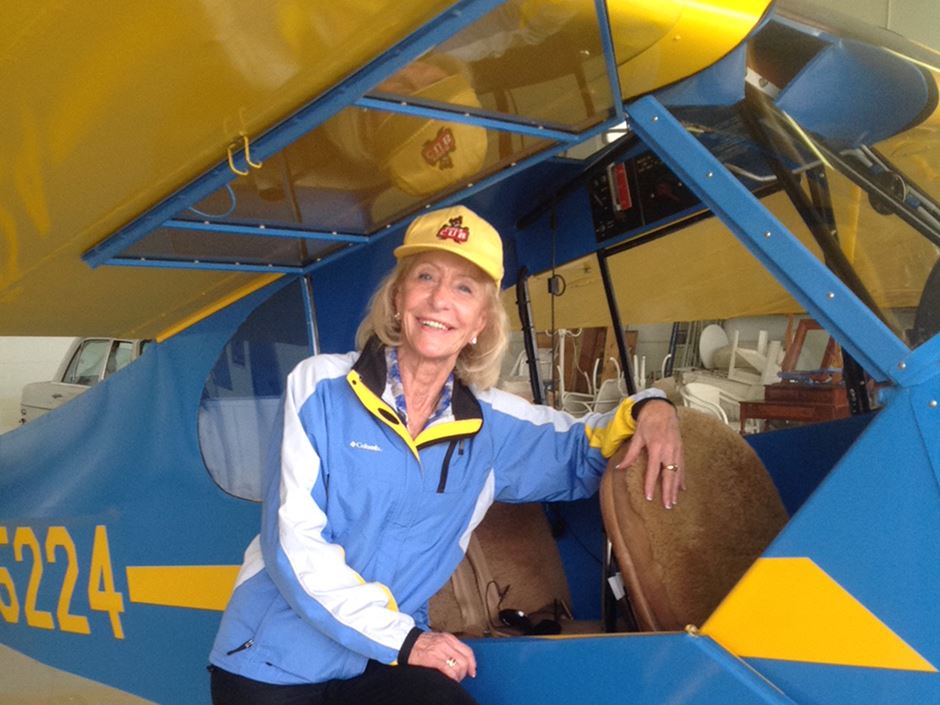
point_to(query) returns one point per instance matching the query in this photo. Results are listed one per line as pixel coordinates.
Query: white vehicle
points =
(87, 362)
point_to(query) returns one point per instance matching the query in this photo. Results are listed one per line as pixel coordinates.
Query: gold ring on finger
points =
(451, 662)
(674, 468)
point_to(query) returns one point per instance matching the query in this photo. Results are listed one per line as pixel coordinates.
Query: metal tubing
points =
(263, 231)
(466, 116)
(155, 262)
(617, 325)
(313, 337)
(610, 57)
(528, 334)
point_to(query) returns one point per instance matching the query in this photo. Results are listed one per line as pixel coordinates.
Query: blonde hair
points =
(478, 365)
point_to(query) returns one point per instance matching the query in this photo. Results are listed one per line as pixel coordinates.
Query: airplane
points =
(229, 180)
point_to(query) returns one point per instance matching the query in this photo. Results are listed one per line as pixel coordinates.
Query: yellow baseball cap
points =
(457, 230)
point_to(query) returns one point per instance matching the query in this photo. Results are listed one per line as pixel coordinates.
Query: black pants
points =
(379, 685)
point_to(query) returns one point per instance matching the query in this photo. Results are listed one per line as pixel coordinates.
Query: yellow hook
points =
(231, 164)
(231, 159)
(256, 165)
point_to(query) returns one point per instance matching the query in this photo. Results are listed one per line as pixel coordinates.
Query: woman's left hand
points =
(657, 431)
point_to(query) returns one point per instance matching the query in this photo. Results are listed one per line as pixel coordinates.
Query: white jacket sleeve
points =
(311, 572)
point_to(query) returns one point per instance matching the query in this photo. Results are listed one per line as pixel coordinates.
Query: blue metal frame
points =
(830, 301)
(467, 116)
(463, 13)
(922, 364)
(197, 264)
(610, 57)
(313, 337)
(263, 231)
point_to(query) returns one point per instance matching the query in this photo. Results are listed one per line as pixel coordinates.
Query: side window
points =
(122, 352)
(242, 395)
(86, 364)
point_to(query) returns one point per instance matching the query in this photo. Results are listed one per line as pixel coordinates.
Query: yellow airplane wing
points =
(112, 108)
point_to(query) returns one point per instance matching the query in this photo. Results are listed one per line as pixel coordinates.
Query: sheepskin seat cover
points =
(678, 564)
(512, 552)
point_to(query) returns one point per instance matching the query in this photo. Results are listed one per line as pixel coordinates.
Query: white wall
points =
(917, 20)
(24, 360)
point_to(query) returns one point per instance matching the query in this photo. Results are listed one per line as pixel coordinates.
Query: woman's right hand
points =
(444, 652)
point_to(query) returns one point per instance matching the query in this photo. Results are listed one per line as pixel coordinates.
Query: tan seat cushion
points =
(678, 564)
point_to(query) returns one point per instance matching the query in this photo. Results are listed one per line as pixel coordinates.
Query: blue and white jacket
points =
(361, 524)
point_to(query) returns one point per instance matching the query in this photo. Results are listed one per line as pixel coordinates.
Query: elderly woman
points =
(388, 458)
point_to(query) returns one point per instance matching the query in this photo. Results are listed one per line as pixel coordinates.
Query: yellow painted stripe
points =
(237, 295)
(790, 609)
(466, 427)
(204, 587)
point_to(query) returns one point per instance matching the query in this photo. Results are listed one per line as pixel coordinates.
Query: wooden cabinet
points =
(805, 403)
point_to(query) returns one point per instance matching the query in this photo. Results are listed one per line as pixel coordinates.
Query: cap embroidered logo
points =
(436, 152)
(454, 230)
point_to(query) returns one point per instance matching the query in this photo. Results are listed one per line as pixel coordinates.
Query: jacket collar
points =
(367, 378)
(374, 374)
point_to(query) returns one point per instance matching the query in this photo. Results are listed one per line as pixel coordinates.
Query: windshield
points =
(861, 178)
(812, 137)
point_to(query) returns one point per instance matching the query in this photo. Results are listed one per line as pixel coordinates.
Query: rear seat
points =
(512, 563)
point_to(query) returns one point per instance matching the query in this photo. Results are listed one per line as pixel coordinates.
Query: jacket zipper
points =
(247, 645)
(445, 467)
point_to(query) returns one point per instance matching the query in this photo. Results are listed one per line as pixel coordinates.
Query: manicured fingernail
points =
(649, 498)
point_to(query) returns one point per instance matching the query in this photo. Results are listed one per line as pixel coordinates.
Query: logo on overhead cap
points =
(436, 152)
(454, 230)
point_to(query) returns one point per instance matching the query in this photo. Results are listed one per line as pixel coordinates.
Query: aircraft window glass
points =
(87, 363)
(242, 394)
(861, 177)
(358, 172)
(892, 261)
(536, 59)
(669, 289)
(877, 212)
(188, 246)
(576, 346)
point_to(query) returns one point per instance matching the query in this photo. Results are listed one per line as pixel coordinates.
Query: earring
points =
(397, 316)
(473, 340)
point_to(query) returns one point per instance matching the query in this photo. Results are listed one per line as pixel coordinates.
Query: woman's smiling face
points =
(442, 303)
